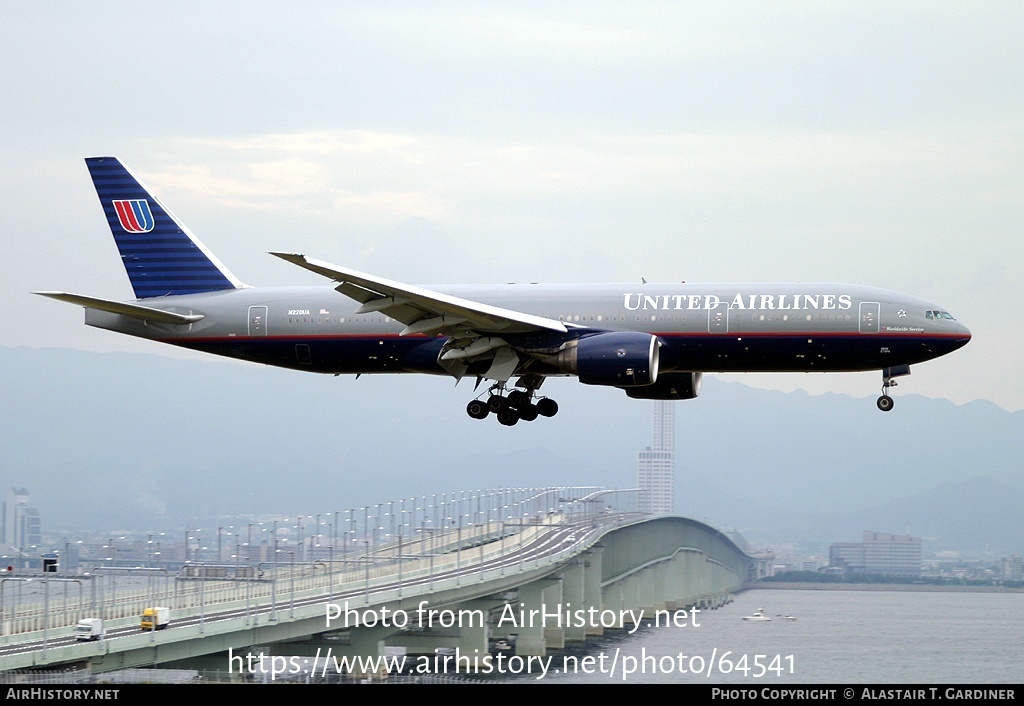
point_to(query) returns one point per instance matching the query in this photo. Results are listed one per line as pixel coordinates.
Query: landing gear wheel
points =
(528, 413)
(508, 417)
(496, 403)
(477, 409)
(547, 407)
(885, 403)
(518, 399)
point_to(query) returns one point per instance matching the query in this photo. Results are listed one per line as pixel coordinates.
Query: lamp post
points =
(248, 546)
(291, 600)
(317, 534)
(366, 560)
(458, 552)
(113, 577)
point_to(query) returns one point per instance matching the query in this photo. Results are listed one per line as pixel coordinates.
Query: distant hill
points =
(136, 440)
(979, 515)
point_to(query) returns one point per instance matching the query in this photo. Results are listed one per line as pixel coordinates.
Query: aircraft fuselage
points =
(703, 327)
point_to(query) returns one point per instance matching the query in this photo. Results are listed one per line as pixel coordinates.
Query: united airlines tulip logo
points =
(134, 215)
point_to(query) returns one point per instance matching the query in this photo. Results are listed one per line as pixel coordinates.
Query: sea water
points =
(838, 636)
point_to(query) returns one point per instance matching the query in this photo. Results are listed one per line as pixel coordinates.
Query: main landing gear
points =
(510, 408)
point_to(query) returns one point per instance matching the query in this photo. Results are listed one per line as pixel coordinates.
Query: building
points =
(1012, 568)
(21, 527)
(656, 477)
(879, 553)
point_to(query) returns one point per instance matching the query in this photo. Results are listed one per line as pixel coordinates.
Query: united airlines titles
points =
(635, 301)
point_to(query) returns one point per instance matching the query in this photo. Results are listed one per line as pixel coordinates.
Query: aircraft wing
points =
(423, 310)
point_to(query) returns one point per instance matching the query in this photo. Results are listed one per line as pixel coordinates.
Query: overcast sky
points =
(874, 143)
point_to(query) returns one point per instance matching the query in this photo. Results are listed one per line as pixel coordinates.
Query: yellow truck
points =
(159, 616)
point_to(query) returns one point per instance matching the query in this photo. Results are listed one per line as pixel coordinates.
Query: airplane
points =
(653, 341)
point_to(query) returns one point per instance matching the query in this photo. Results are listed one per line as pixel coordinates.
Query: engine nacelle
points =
(620, 358)
(672, 386)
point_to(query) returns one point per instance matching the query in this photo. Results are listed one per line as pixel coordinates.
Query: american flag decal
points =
(134, 215)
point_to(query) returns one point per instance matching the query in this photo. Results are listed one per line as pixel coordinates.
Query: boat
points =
(757, 616)
(502, 646)
(789, 618)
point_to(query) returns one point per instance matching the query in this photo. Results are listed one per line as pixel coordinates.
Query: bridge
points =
(522, 571)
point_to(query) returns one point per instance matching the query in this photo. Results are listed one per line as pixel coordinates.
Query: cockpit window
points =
(936, 314)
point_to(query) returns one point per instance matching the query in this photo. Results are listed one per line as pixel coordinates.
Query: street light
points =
(366, 560)
(291, 601)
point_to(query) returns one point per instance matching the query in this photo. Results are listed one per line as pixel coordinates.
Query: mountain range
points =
(146, 442)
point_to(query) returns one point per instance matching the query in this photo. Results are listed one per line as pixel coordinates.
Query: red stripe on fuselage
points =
(668, 335)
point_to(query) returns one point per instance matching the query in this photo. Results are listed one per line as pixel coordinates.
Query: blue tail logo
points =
(161, 256)
(134, 215)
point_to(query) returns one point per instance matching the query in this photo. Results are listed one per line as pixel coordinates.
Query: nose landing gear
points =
(885, 403)
(889, 375)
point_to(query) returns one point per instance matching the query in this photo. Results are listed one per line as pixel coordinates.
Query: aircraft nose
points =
(953, 338)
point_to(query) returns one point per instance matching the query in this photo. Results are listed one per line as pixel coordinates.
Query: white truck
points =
(90, 629)
(155, 618)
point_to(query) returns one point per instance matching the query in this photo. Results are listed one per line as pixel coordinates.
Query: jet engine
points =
(671, 386)
(623, 359)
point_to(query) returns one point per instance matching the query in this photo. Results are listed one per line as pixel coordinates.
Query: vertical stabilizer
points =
(160, 255)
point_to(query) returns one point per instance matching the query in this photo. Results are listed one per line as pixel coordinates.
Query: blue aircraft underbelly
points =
(681, 352)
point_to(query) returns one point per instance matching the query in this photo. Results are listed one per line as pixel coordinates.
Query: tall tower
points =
(656, 464)
(20, 521)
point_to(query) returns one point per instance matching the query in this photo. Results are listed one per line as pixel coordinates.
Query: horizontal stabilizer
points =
(133, 310)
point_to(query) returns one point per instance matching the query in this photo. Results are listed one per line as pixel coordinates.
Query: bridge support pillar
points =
(473, 633)
(662, 576)
(592, 597)
(554, 606)
(648, 589)
(623, 595)
(672, 585)
(534, 598)
(365, 641)
(573, 599)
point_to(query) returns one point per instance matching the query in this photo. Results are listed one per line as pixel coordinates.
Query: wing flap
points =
(360, 294)
(381, 304)
(433, 324)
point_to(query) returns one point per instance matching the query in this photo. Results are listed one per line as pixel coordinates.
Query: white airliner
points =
(653, 341)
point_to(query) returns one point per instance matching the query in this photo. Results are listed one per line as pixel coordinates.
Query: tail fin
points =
(161, 256)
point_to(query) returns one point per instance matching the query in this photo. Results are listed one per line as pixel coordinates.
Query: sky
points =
(864, 142)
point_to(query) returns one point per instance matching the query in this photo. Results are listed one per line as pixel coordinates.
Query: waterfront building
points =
(879, 553)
